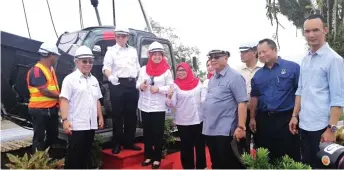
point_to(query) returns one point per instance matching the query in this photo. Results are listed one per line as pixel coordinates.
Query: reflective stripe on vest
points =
(37, 99)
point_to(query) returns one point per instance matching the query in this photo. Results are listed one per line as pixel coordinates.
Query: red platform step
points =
(165, 164)
(124, 159)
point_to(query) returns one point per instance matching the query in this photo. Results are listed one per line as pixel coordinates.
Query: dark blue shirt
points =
(37, 78)
(276, 87)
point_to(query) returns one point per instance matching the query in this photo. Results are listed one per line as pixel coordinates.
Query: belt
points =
(126, 78)
(270, 113)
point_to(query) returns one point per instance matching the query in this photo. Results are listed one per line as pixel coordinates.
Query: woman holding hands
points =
(154, 82)
(185, 97)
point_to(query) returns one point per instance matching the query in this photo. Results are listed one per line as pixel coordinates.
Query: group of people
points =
(285, 107)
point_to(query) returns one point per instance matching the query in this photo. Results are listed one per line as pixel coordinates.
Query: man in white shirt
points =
(249, 57)
(121, 67)
(80, 107)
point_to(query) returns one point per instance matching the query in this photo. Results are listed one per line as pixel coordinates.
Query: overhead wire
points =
(51, 18)
(27, 24)
(80, 16)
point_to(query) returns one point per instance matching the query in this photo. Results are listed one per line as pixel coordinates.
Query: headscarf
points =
(156, 69)
(190, 81)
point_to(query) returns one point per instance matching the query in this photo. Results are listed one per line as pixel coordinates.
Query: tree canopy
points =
(297, 10)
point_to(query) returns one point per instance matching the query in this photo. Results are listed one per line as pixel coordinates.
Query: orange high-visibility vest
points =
(37, 99)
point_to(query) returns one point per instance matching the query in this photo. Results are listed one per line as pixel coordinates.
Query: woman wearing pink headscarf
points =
(185, 97)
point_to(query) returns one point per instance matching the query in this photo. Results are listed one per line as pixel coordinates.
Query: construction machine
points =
(19, 54)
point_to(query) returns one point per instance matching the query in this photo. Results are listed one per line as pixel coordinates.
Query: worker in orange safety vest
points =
(44, 94)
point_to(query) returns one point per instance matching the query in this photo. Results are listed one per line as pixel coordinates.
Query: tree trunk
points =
(335, 7)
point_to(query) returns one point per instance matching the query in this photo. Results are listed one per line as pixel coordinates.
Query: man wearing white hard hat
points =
(121, 67)
(44, 93)
(249, 57)
(80, 108)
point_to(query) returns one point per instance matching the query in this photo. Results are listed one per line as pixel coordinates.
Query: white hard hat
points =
(47, 48)
(155, 47)
(247, 46)
(83, 52)
(122, 31)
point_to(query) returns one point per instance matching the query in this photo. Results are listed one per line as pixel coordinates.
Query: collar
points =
(258, 65)
(320, 51)
(278, 62)
(223, 71)
(82, 75)
(120, 47)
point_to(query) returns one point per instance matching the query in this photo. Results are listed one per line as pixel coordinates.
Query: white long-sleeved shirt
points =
(123, 62)
(149, 102)
(187, 105)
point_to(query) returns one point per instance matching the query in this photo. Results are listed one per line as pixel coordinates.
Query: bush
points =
(168, 133)
(340, 136)
(261, 161)
(39, 160)
(95, 151)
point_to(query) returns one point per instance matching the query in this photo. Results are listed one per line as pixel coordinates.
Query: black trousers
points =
(310, 146)
(192, 138)
(273, 134)
(79, 149)
(153, 133)
(45, 126)
(221, 153)
(124, 98)
(248, 133)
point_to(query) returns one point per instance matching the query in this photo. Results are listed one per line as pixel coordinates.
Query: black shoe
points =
(133, 147)
(145, 163)
(116, 149)
(155, 166)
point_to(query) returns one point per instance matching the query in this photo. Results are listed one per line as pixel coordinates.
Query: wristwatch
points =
(333, 128)
(63, 119)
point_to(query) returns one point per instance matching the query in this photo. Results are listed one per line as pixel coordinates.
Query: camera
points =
(331, 155)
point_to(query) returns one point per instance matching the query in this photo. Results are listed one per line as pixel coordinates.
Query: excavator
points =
(19, 54)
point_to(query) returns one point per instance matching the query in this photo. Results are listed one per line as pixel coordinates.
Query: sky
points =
(207, 24)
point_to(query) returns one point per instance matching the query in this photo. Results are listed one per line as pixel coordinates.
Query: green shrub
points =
(39, 160)
(96, 160)
(261, 161)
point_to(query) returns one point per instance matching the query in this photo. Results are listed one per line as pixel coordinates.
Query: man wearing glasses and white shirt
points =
(79, 108)
(121, 67)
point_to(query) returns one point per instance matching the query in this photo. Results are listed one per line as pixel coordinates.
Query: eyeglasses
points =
(121, 36)
(215, 56)
(181, 70)
(85, 61)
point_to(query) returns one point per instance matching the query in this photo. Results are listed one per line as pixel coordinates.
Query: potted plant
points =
(261, 161)
(168, 136)
(39, 160)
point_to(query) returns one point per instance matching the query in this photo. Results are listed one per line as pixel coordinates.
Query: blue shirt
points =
(321, 86)
(275, 87)
(226, 90)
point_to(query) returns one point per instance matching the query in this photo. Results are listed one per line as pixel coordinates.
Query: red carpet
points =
(129, 159)
(177, 163)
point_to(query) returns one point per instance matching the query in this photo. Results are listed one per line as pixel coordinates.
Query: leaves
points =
(39, 160)
(261, 161)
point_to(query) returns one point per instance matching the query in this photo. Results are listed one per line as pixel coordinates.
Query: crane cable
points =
(51, 18)
(80, 15)
(27, 24)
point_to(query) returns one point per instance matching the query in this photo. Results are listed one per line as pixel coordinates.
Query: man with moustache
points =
(320, 95)
(272, 102)
(248, 53)
(80, 107)
(225, 111)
